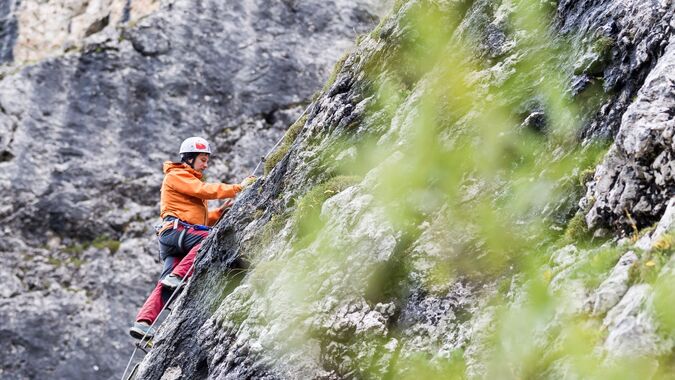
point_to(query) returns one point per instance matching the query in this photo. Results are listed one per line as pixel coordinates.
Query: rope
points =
(137, 346)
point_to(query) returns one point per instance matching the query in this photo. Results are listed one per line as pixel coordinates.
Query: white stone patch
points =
(173, 373)
(631, 329)
(667, 222)
(565, 256)
(574, 298)
(629, 305)
(615, 286)
(46, 28)
(353, 218)
(11, 285)
(403, 123)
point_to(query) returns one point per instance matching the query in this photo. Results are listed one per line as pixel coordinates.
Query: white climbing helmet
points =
(195, 145)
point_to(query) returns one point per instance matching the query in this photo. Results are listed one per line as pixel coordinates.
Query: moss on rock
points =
(577, 229)
(334, 73)
(292, 132)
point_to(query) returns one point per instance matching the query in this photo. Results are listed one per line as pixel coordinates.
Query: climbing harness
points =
(171, 222)
(143, 344)
(174, 222)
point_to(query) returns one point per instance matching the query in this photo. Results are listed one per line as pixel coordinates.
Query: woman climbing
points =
(185, 223)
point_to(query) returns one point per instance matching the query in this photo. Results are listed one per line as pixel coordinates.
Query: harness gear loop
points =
(171, 222)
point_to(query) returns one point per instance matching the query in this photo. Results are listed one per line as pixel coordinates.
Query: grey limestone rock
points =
(342, 329)
(8, 30)
(634, 182)
(631, 329)
(615, 286)
(665, 225)
(625, 40)
(83, 137)
(355, 294)
(565, 256)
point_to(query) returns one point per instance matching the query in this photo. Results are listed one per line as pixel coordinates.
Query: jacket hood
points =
(176, 166)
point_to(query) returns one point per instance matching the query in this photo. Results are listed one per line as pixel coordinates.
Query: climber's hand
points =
(227, 204)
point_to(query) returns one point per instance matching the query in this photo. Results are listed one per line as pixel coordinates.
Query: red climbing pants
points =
(173, 253)
(185, 265)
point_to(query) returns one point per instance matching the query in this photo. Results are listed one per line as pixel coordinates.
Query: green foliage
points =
(270, 230)
(647, 268)
(389, 281)
(73, 260)
(100, 242)
(664, 299)
(576, 229)
(55, 262)
(603, 46)
(413, 54)
(421, 366)
(665, 243)
(650, 263)
(292, 132)
(76, 262)
(103, 242)
(76, 249)
(586, 176)
(446, 153)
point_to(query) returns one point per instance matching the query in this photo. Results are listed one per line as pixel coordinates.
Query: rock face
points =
(636, 180)
(361, 296)
(620, 43)
(42, 29)
(8, 30)
(83, 137)
(354, 258)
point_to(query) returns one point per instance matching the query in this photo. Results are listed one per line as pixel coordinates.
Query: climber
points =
(185, 221)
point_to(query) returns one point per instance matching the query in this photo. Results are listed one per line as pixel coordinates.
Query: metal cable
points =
(264, 158)
(156, 319)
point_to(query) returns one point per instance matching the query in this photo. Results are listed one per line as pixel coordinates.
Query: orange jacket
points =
(185, 196)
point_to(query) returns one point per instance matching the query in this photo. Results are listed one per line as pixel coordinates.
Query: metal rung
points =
(145, 346)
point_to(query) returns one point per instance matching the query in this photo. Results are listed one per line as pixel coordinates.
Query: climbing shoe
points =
(171, 281)
(142, 329)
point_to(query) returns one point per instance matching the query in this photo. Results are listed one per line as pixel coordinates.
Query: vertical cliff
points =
(467, 197)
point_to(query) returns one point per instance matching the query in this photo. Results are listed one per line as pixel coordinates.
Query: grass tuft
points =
(577, 229)
(103, 242)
